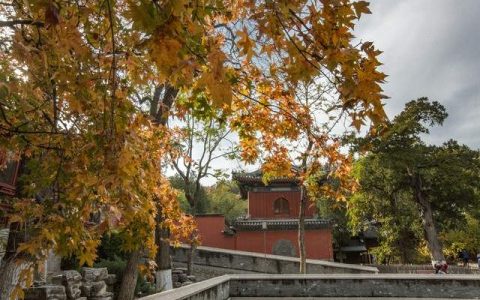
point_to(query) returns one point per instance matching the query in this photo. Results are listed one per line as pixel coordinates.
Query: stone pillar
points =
(40, 274)
(54, 263)
(3, 241)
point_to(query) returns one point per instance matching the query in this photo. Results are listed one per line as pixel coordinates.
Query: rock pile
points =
(180, 277)
(94, 286)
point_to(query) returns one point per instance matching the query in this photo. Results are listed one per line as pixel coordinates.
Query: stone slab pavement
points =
(337, 298)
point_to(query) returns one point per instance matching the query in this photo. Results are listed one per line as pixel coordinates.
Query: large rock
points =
(111, 279)
(94, 289)
(73, 291)
(94, 274)
(71, 279)
(182, 277)
(69, 276)
(46, 292)
(101, 298)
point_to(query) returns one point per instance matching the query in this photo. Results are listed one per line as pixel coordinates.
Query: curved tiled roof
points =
(280, 224)
(256, 177)
(248, 180)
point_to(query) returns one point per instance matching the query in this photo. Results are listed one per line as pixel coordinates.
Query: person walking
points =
(465, 257)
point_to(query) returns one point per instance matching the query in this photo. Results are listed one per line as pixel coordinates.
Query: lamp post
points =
(264, 228)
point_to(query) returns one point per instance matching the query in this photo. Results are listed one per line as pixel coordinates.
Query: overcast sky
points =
(432, 49)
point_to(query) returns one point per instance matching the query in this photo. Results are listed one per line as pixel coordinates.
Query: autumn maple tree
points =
(71, 75)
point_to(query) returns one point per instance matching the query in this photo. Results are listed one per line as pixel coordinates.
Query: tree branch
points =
(12, 23)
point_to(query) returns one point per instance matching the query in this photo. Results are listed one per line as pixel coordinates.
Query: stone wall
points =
(258, 263)
(331, 285)
(202, 272)
(361, 285)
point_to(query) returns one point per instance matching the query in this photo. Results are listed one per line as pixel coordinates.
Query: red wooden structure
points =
(8, 173)
(8, 179)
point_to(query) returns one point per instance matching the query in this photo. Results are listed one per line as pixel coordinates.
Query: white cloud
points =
(431, 48)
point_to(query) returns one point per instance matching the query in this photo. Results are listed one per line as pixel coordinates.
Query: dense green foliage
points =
(336, 212)
(414, 190)
(117, 265)
(202, 202)
(224, 199)
(221, 198)
(465, 237)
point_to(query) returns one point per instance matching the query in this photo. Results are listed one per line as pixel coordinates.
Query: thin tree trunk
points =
(191, 254)
(162, 259)
(301, 232)
(159, 111)
(191, 251)
(129, 280)
(12, 264)
(162, 235)
(301, 214)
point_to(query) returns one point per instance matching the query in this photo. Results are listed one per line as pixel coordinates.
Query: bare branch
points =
(12, 23)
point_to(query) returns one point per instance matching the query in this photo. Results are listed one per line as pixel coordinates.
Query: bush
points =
(111, 247)
(117, 266)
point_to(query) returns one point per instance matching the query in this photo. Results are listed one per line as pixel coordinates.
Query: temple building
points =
(271, 225)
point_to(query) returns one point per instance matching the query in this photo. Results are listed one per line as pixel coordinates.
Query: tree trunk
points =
(191, 254)
(163, 251)
(429, 228)
(159, 111)
(430, 231)
(12, 263)
(301, 232)
(163, 278)
(130, 274)
(10, 275)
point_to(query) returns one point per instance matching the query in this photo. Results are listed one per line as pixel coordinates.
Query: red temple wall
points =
(211, 232)
(318, 241)
(260, 205)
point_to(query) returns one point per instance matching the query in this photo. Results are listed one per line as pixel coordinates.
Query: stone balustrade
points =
(333, 286)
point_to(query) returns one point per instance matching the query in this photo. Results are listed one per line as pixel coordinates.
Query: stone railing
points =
(239, 286)
(425, 269)
(261, 263)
